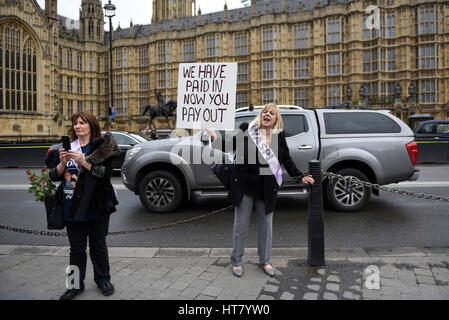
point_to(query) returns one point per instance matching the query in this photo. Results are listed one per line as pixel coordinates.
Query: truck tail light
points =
(412, 149)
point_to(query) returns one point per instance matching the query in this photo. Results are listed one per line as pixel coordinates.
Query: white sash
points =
(267, 153)
(75, 145)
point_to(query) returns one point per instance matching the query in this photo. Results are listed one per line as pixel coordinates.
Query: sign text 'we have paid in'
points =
(206, 95)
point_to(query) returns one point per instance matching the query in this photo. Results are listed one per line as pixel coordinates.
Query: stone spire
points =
(170, 9)
(51, 9)
(91, 21)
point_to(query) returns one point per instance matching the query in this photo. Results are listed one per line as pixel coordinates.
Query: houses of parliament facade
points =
(308, 53)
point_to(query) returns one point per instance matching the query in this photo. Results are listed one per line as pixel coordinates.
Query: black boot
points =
(71, 293)
(106, 288)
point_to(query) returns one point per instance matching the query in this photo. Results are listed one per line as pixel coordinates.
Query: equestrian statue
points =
(162, 109)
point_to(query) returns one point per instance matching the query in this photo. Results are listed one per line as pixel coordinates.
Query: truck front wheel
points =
(160, 191)
(343, 195)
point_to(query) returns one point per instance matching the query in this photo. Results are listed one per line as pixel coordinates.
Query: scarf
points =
(109, 148)
(264, 149)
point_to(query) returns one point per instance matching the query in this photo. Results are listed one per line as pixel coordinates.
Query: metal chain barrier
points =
(63, 234)
(34, 232)
(331, 176)
(213, 213)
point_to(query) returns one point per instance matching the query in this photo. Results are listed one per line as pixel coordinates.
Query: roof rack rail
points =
(345, 106)
(251, 108)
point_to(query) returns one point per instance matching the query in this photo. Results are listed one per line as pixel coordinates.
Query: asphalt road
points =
(388, 221)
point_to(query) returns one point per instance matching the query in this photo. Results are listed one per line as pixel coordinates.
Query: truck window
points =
(443, 128)
(240, 120)
(294, 124)
(359, 122)
(428, 128)
(227, 135)
(122, 139)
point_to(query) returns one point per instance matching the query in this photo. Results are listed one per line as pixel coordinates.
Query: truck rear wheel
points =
(160, 192)
(343, 195)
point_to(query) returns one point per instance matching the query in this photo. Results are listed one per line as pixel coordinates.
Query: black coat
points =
(239, 172)
(93, 193)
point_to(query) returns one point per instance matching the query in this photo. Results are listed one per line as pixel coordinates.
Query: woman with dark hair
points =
(88, 199)
(260, 149)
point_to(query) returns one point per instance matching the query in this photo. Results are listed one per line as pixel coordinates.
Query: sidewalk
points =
(37, 272)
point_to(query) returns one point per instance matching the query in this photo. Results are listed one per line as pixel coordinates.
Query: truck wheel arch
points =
(356, 164)
(165, 167)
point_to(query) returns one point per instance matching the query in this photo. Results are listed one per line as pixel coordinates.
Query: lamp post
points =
(349, 96)
(412, 92)
(110, 13)
(362, 93)
(397, 92)
(412, 96)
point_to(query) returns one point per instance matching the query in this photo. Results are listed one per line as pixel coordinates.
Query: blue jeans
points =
(242, 217)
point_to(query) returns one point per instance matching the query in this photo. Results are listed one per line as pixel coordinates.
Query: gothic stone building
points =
(302, 52)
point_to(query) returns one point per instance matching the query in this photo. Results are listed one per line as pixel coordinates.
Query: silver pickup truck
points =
(370, 145)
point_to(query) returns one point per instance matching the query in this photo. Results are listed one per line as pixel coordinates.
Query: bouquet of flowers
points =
(41, 185)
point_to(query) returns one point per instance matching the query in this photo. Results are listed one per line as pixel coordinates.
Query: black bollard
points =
(316, 218)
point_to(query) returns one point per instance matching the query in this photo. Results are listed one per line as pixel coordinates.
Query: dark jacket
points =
(93, 192)
(240, 170)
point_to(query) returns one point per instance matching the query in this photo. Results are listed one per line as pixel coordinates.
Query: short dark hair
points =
(95, 130)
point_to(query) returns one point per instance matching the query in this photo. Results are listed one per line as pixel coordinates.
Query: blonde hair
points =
(279, 125)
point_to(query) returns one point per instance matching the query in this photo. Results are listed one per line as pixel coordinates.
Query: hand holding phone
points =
(65, 142)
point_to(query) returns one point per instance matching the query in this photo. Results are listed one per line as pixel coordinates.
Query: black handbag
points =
(223, 171)
(55, 215)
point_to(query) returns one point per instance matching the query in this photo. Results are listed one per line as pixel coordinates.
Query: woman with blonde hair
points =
(254, 184)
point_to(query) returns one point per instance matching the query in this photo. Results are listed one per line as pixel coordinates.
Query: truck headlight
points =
(131, 153)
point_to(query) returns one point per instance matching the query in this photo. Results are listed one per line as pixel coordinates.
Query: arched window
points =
(91, 28)
(18, 84)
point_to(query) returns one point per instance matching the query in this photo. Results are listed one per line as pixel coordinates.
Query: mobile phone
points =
(65, 142)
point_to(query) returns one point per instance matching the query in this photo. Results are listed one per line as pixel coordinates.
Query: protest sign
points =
(206, 95)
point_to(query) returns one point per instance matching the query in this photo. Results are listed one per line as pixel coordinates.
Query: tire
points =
(160, 192)
(343, 195)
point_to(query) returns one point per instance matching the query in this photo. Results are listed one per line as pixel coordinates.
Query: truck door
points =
(302, 140)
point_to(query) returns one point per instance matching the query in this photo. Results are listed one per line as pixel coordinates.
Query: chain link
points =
(331, 176)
